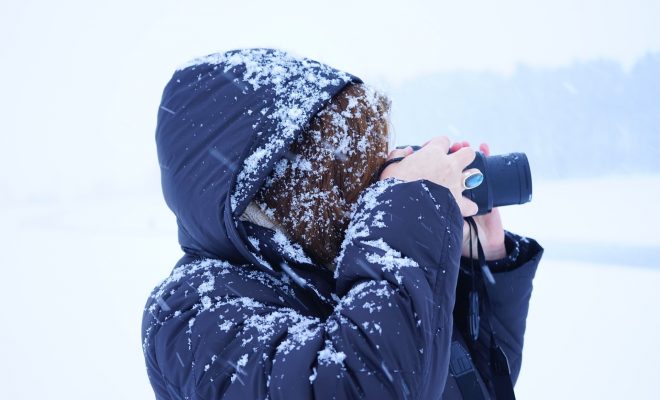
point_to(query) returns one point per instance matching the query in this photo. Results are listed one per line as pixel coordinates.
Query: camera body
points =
(507, 180)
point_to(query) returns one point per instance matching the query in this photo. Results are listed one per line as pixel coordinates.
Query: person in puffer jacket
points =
(306, 274)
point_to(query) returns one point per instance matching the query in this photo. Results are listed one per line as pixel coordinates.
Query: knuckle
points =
(394, 153)
(440, 140)
(445, 141)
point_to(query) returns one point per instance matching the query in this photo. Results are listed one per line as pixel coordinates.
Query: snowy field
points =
(78, 273)
(593, 323)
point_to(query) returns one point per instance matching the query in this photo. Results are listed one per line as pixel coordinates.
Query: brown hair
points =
(312, 191)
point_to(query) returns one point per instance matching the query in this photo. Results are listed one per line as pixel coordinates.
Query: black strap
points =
(462, 369)
(501, 375)
(376, 176)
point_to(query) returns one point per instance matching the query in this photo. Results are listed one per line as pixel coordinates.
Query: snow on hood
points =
(223, 123)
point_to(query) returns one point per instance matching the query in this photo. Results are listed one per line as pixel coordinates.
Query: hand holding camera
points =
(479, 183)
(434, 162)
(491, 230)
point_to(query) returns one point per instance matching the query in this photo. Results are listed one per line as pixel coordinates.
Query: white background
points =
(85, 234)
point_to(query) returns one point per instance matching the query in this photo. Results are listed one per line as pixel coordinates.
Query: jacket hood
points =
(224, 121)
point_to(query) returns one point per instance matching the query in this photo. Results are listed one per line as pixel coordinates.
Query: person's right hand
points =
(432, 162)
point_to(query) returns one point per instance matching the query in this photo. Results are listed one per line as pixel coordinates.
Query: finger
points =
(455, 147)
(442, 142)
(464, 156)
(471, 171)
(466, 230)
(468, 207)
(484, 149)
(472, 177)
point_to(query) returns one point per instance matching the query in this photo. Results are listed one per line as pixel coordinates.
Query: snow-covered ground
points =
(78, 272)
(592, 332)
(593, 324)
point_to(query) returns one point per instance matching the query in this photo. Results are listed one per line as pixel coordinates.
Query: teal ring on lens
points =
(473, 180)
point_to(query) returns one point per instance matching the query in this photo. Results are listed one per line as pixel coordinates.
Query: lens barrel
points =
(507, 181)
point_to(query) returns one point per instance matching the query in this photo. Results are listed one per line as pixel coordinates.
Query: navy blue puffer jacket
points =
(245, 314)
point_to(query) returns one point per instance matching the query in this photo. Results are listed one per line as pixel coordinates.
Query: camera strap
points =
(376, 176)
(499, 365)
(463, 371)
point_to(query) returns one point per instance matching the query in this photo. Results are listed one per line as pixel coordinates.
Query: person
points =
(303, 276)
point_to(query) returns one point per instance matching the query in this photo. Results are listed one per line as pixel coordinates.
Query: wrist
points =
(390, 172)
(495, 252)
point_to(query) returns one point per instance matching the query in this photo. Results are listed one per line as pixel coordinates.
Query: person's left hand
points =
(491, 231)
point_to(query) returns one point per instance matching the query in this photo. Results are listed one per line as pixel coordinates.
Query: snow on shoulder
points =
(359, 225)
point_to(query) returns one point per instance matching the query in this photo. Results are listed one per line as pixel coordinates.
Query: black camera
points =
(507, 180)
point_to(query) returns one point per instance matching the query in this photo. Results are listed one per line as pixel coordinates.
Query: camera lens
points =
(510, 178)
(507, 181)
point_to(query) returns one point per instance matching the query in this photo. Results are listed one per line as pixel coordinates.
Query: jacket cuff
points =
(519, 250)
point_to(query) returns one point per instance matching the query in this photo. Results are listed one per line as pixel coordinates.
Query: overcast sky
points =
(81, 80)
(394, 40)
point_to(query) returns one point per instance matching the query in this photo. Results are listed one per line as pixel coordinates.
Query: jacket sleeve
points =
(388, 336)
(396, 276)
(509, 298)
(390, 332)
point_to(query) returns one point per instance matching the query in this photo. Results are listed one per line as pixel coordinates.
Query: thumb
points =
(468, 207)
